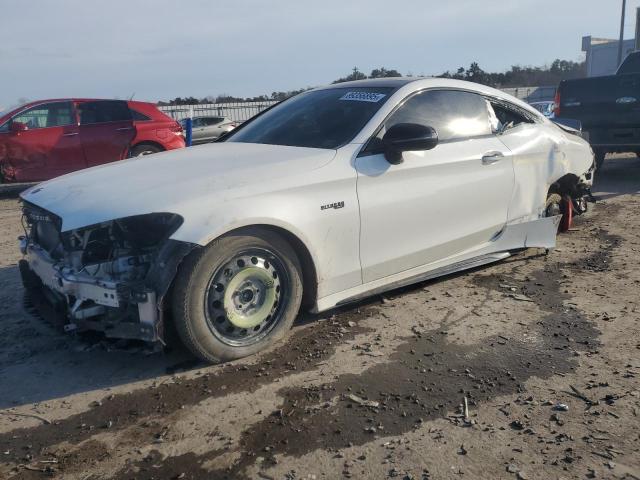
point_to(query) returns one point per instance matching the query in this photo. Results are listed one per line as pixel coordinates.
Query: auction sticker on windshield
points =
(363, 96)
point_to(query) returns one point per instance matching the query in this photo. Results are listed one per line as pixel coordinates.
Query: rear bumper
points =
(614, 139)
(173, 142)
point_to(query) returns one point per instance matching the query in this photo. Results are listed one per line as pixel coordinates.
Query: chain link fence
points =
(236, 111)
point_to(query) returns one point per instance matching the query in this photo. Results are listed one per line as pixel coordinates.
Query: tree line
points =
(516, 76)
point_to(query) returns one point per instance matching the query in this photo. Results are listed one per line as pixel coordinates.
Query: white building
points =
(602, 54)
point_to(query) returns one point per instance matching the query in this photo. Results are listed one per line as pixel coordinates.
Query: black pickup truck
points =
(608, 108)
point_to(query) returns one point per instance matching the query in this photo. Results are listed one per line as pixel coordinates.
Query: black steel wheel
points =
(238, 295)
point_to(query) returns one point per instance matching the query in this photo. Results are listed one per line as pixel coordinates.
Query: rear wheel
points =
(144, 149)
(237, 296)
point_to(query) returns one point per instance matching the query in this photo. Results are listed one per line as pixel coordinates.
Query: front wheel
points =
(238, 295)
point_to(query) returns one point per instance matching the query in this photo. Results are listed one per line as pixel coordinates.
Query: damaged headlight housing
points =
(133, 235)
(102, 248)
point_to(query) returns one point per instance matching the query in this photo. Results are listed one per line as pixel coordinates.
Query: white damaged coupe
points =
(333, 195)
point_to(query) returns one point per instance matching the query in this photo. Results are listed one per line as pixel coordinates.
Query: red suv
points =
(45, 139)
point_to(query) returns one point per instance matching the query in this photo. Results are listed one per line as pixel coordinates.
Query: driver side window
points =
(455, 115)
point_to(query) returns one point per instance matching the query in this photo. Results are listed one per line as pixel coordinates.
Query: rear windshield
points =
(317, 119)
(631, 64)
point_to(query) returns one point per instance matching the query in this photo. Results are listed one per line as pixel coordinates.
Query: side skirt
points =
(421, 277)
(538, 233)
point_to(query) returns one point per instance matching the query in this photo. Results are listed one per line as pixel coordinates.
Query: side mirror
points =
(407, 137)
(17, 127)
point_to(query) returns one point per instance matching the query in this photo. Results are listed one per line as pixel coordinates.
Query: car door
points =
(538, 153)
(216, 124)
(42, 143)
(210, 128)
(436, 203)
(197, 130)
(106, 130)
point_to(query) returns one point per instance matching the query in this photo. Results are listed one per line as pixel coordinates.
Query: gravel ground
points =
(544, 348)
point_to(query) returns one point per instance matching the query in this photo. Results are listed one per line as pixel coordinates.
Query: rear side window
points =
(454, 114)
(631, 64)
(139, 117)
(505, 116)
(57, 114)
(210, 121)
(104, 111)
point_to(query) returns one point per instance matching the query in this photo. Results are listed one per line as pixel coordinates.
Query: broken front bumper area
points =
(81, 302)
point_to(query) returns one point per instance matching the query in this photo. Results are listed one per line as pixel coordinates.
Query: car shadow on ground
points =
(40, 362)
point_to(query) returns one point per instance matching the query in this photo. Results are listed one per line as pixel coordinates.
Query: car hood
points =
(172, 181)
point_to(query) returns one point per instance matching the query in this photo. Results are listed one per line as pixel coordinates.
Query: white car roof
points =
(408, 85)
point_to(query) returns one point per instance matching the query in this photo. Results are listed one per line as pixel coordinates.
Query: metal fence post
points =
(189, 128)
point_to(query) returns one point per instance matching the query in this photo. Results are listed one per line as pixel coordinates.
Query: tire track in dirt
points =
(302, 352)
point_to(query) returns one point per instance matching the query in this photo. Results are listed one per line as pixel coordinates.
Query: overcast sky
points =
(161, 49)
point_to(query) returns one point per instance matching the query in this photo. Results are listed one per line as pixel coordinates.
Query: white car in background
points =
(205, 129)
(333, 195)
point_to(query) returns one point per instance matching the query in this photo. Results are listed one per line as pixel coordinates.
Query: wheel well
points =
(309, 273)
(564, 185)
(147, 142)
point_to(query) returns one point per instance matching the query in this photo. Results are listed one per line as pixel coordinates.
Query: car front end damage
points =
(111, 277)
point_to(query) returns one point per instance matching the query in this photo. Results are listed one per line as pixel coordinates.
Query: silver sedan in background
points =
(208, 129)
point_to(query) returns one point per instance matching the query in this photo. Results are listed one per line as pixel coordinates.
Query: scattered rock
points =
(362, 401)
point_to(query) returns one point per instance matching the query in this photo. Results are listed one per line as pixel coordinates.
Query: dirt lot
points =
(546, 350)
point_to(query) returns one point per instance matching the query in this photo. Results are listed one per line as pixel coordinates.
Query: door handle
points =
(492, 157)
(72, 134)
(123, 129)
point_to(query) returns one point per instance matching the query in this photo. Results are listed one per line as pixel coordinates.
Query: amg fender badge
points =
(335, 206)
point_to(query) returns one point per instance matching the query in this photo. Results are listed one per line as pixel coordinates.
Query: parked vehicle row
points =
(45, 139)
(330, 196)
(608, 108)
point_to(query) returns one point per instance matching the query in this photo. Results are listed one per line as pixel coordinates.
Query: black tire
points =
(144, 149)
(552, 206)
(201, 309)
(599, 158)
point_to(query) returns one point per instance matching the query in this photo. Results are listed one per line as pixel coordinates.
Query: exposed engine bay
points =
(109, 277)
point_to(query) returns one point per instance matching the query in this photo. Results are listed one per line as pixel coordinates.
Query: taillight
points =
(176, 128)
(556, 104)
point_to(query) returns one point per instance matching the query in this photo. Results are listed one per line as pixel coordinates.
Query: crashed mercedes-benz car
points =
(330, 196)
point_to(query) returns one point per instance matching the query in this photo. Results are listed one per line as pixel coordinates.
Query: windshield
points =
(317, 119)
